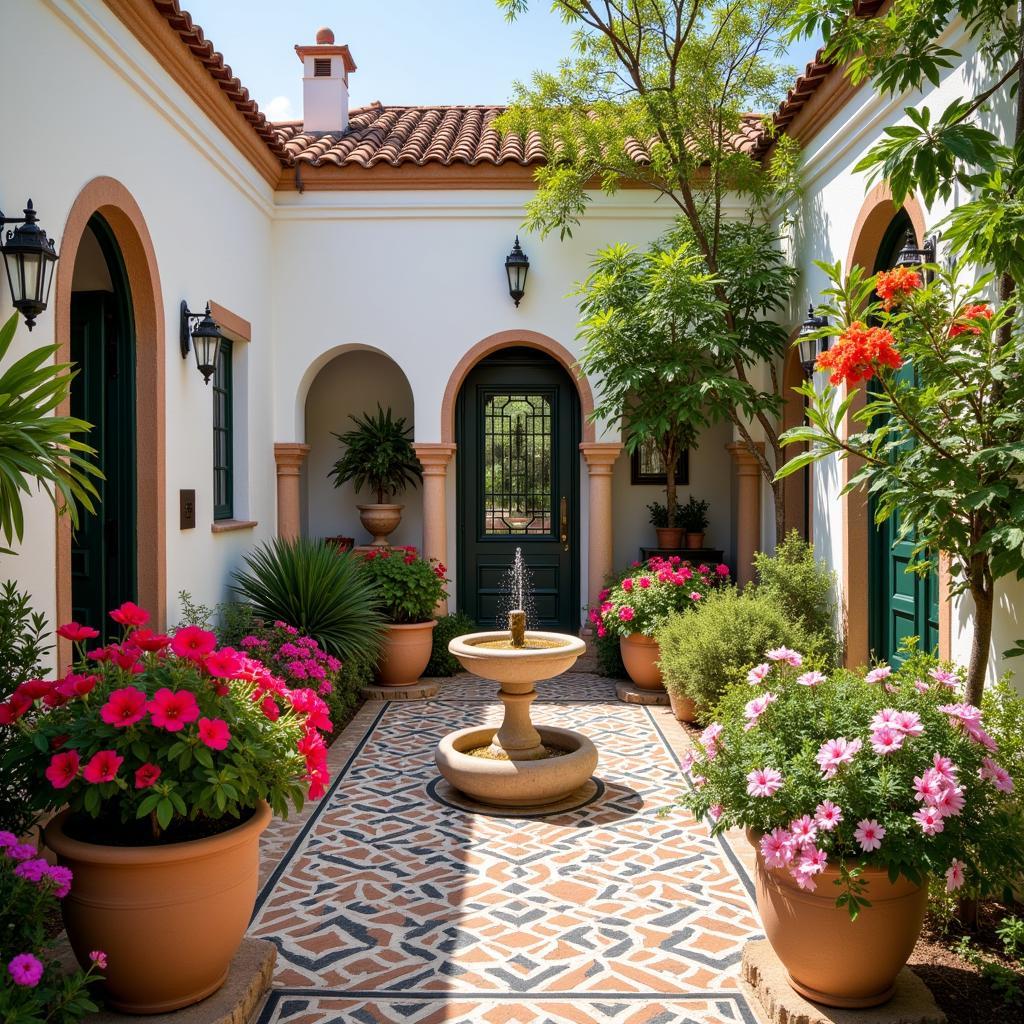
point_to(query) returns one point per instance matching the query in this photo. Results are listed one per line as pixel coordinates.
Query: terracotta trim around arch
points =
(875, 215)
(112, 200)
(506, 339)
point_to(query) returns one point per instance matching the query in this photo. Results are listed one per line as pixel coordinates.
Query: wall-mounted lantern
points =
(204, 338)
(516, 266)
(30, 258)
(808, 346)
(911, 256)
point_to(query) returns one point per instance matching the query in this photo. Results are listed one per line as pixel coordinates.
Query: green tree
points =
(658, 93)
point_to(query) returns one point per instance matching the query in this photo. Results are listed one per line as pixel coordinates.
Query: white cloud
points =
(279, 109)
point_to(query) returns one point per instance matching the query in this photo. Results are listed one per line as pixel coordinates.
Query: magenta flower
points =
(777, 848)
(644, 582)
(955, 875)
(785, 654)
(876, 675)
(130, 614)
(764, 782)
(193, 643)
(124, 707)
(756, 675)
(146, 775)
(223, 664)
(930, 821)
(804, 831)
(627, 584)
(811, 679)
(63, 769)
(32, 870)
(722, 570)
(26, 970)
(869, 834)
(102, 767)
(827, 815)
(99, 958)
(61, 878)
(214, 732)
(173, 710)
(696, 595)
(626, 613)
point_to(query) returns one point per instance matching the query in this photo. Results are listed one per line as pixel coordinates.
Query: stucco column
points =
(600, 457)
(434, 458)
(289, 456)
(748, 509)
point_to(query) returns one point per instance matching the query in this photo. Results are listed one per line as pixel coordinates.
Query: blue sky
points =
(407, 51)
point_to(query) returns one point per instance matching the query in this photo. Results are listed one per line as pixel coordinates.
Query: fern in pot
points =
(378, 454)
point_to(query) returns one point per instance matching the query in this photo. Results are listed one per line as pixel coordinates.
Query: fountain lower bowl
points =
(553, 654)
(516, 783)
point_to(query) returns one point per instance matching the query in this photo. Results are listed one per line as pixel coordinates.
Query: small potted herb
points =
(669, 536)
(693, 519)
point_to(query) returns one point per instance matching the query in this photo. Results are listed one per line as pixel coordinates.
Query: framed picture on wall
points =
(646, 466)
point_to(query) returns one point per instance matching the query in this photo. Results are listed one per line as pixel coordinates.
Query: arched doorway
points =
(517, 429)
(900, 604)
(103, 547)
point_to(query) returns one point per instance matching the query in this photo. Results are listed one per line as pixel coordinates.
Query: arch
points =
(876, 213)
(507, 339)
(117, 206)
(797, 487)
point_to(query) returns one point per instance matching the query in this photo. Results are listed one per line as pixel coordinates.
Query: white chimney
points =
(326, 69)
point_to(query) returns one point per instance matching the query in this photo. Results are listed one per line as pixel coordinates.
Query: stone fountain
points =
(517, 765)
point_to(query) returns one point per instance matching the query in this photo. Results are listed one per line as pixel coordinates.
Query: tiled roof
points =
(444, 135)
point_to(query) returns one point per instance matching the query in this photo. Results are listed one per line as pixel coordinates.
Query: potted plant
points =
(693, 519)
(669, 536)
(409, 589)
(641, 602)
(165, 758)
(855, 790)
(378, 454)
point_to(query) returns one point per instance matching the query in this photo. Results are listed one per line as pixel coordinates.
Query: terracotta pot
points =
(669, 537)
(170, 918)
(682, 707)
(640, 655)
(829, 958)
(694, 541)
(406, 652)
(379, 521)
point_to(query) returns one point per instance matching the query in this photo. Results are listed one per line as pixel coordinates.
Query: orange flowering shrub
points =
(962, 325)
(893, 286)
(858, 354)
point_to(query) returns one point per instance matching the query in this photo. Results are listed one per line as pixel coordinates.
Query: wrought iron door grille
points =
(518, 434)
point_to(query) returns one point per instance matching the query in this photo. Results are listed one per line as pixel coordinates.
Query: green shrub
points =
(230, 620)
(310, 586)
(409, 587)
(609, 657)
(804, 588)
(448, 627)
(706, 649)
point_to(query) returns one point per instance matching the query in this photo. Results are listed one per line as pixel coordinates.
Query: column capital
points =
(434, 456)
(289, 456)
(600, 456)
(746, 463)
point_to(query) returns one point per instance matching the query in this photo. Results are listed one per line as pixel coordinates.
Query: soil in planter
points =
(490, 755)
(109, 830)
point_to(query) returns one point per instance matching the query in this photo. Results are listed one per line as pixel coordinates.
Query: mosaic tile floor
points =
(387, 906)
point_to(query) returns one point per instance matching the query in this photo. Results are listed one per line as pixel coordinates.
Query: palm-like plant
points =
(35, 445)
(326, 595)
(378, 452)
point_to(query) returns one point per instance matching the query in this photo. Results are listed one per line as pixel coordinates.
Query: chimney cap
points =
(324, 36)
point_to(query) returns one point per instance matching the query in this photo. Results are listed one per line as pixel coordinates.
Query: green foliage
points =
(803, 587)
(28, 907)
(36, 446)
(230, 620)
(609, 657)
(379, 454)
(310, 586)
(693, 516)
(1007, 981)
(708, 649)
(448, 628)
(408, 587)
(23, 646)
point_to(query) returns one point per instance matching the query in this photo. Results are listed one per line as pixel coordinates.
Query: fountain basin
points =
(516, 783)
(517, 667)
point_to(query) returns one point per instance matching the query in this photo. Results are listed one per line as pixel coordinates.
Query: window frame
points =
(222, 384)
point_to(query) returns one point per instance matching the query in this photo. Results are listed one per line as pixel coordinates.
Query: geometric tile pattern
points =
(388, 906)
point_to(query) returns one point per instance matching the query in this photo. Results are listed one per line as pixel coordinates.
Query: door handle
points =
(563, 521)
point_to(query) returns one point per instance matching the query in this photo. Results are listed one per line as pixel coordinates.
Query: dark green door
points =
(518, 433)
(103, 548)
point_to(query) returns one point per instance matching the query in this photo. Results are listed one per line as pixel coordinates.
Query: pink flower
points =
(193, 643)
(756, 675)
(709, 739)
(777, 848)
(626, 613)
(764, 782)
(124, 707)
(979, 735)
(173, 710)
(997, 775)
(99, 958)
(950, 802)
(812, 861)
(930, 820)
(909, 723)
(811, 679)
(929, 786)
(715, 811)
(77, 634)
(804, 831)
(270, 709)
(869, 834)
(722, 570)
(961, 712)
(921, 686)
(955, 875)
(945, 768)
(886, 741)
(786, 655)
(214, 732)
(102, 767)
(644, 582)
(757, 707)
(803, 879)
(146, 775)
(26, 970)
(602, 595)
(223, 664)
(61, 878)
(63, 769)
(32, 870)
(827, 815)
(832, 754)
(627, 584)
(946, 678)
(130, 614)
(876, 675)
(695, 595)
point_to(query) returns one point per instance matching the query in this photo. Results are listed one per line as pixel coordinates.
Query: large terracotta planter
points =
(380, 521)
(170, 918)
(640, 655)
(829, 958)
(406, 652)
(669, 537)
(682, 707)
(694, 541)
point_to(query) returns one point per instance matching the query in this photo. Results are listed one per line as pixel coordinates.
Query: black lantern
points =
(30, 258)
(809, 346)
(516, 266)
(204, 339)
(911, 256)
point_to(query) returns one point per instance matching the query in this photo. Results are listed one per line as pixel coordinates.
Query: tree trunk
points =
(779, 494)
(670, 457)
(982, 590)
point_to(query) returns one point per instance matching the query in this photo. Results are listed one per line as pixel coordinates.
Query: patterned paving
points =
(387, 906)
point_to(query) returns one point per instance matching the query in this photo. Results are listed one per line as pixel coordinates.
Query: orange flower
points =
(893, 286)
(980, 311)
(859, 353)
